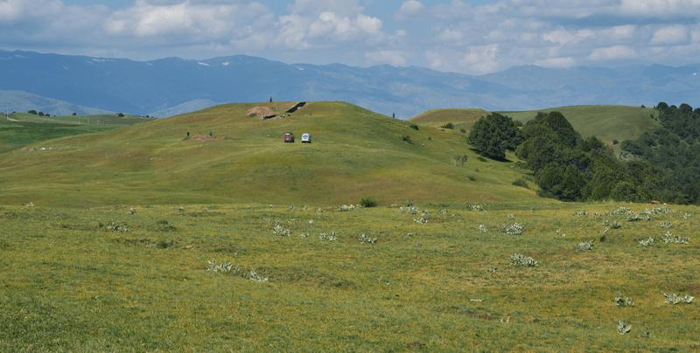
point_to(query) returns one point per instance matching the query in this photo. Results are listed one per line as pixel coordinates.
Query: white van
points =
(306, 138)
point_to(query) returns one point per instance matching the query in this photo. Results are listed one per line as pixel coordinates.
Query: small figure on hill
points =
(188, 135)
(211, 133)
(393, 115)
(270, 99)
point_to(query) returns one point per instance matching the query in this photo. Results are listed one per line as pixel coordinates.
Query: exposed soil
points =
(203, 138)
(261, 112)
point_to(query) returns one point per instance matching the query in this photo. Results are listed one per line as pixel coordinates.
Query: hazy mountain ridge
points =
(174, 85)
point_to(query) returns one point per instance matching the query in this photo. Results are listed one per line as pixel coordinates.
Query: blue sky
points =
(474, 37)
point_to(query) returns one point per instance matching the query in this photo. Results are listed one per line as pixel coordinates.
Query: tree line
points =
(662, 165)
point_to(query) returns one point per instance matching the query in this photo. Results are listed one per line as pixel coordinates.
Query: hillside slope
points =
(607, 122)
(461, 118)
(356, 153)
(21, 129)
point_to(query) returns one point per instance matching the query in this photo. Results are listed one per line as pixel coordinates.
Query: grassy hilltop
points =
(355, 153)
(607, 122)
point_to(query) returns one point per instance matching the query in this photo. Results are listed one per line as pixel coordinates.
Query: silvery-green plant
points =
(581, 213)
(132, 211)
(366, 239)
(304, 235)
(443, 212)
(514, 229)
(225, 267)
(291, 207)
(254, 276)
(511, 216)
(647, 242)
(666, 225)
(670, 238)
(118, 227)
(612, 224)
(620, 211)
(623, 328)
(522, 261)
(493, 269)
(623, 301)
(585, 246)
(413, 210)
(658, 210)
(482, 228)
(421, 220)
(319, 211)
(477, 208)
(687, 216)
(328, 237)
(677, 299)
(638, 217)
(345, 208)
(409, 203)
(306, 207)
(282, 231)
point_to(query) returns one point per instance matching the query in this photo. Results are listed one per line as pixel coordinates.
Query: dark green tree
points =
(493, 135)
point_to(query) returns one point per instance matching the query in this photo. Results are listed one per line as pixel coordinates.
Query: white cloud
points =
(450, 35)
(391, 57)
(670, 35)
(481, 59)
(616, 52)
(660, 8)
(411, 7)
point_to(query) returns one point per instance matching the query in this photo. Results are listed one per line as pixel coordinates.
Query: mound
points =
(356, 153)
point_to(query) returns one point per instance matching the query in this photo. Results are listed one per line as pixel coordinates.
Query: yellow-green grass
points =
(67, 284)
(23, 129)
(460, 118)
(355, 153)
(606, 122)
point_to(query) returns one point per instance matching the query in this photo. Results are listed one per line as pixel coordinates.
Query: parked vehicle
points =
(289, 137)
(306, 138)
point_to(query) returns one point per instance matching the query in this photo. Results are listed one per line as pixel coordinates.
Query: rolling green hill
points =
(607, 122)
(21, 129)
(461, 118)
(356, 153)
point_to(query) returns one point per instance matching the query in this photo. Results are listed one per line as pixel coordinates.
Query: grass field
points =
(22, 129)
(139, 239)
(70, 281)
(356, 153)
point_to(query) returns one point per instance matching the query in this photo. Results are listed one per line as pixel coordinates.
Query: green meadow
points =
(140, 239)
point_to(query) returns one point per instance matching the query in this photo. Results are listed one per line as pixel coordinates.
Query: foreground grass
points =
(68, 282)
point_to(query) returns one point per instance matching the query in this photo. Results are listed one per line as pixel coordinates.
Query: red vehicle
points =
(289, 137)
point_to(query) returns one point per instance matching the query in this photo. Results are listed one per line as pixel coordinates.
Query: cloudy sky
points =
(468, 36)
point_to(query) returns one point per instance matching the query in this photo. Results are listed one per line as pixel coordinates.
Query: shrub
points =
(674, 299)
(482, 228)
(463, 130)
(615, 142)
(521, 260)
(622, 302)
(407, 139)
(670, 238)
(121, 115)
(328, 237)
(623, 328)
(471, 178)
(368, 202)
(460, 160)
(225, 267)
(647, 242)
(482, 159)
(281, 231)
(33, 112)
(521, 183)
(415, 127)
(450, 126)
(585, 246)
(493, 135)
(163, 244)
(366, 239)
(409, 203)
(514, 229)
(118, 227)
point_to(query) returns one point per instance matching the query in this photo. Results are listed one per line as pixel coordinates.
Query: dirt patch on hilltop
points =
(202, 138)
(261, 113)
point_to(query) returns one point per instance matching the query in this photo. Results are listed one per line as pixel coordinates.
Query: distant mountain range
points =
(172, 86)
